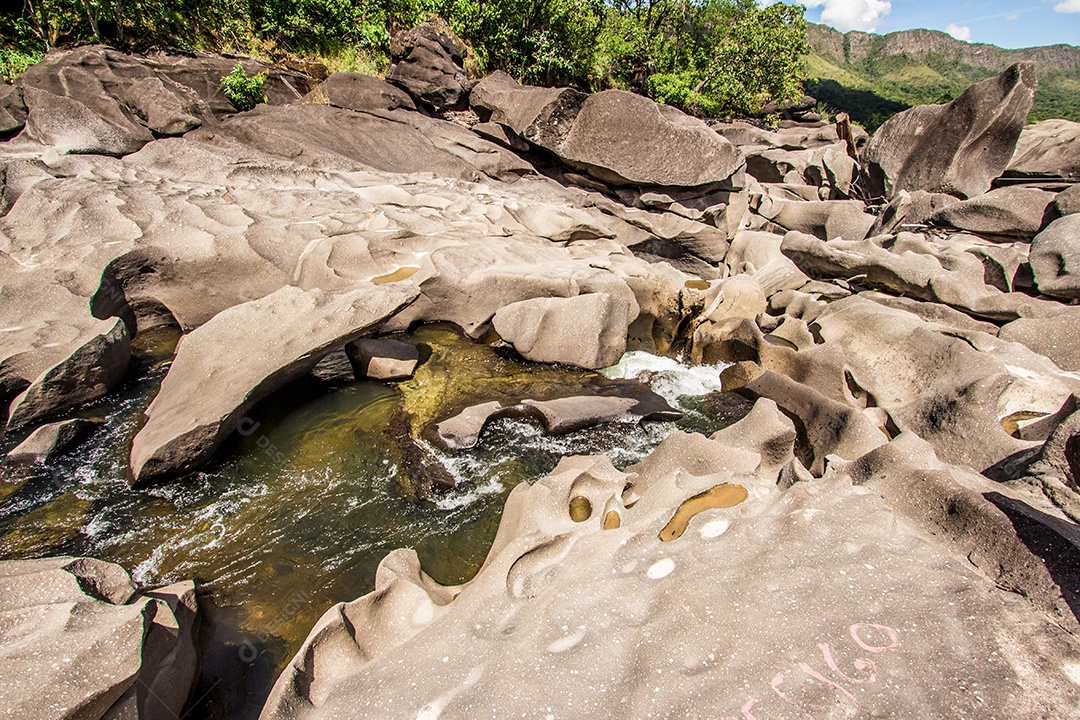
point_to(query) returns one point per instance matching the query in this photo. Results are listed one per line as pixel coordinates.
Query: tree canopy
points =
(709, 57)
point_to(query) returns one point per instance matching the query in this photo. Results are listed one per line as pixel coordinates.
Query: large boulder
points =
(1048, 150)
(1009, 212)
(428, 64)
(93, 99)
(587, 330)
(50, 440)
(12, 109)
(1058, 338)
(615, 136)
(241, 356)
(1055, 258)
(958, 148)
(359, 92)
(78, 643)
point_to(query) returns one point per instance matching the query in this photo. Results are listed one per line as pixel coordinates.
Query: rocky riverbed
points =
(458, 398)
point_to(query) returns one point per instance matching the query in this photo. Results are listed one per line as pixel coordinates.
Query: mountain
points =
(872, 77)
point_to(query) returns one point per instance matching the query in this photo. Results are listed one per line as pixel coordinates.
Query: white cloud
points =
(1013, 18)
(1068, 6)
(962, 32)
(865, 15)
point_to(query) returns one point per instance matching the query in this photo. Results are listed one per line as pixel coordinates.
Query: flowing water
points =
(297, 511)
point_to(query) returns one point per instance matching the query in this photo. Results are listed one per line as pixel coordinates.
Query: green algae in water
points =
(296, 513)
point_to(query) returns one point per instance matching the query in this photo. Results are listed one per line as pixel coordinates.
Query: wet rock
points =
(359, 92)
(578, 586)
(383, 358)
(958, 148)
(233, 367)
(1047, 149)
(427, 63)
(463, 430)
(1013, 211)
(81, 644)
(1055, 258)
(588, 330)
(50, 440)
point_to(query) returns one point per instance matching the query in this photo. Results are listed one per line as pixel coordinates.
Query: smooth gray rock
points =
(70, 126)
(1012, 211)
(242, 355)
(958, 148)
(427, 63)
(383, 358)
(359, 92)
(1068, 201)
(50, 440)
(1048, 149)
(1055, 258)
(12, 109)
(1058, 338)
(588, 331)
(79, 643)
(618, 137)
(907, 210)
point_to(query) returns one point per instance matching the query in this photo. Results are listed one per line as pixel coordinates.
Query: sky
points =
(1026, 23)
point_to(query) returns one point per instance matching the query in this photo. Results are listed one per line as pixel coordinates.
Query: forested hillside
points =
(873, 76)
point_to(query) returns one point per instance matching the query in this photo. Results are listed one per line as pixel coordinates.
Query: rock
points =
(383, 358)
(427, 63)
(945, 384)
(93, 99)
(1047, 149)
(71, 127)
(907, 211)
(12, 110)
(828, 220)
(578, 586)
(1068, 201)
(1058, 338)
(361, 93)
(913, 265)
(95, 366)
(618, 137)
(958, 148)
(624, 138)
(789, 137)
(1055, 258)
(50, 440)
(1011, 212)
(828, 427)
(242, 355)
(396, 141)
(79, 643)
(462, 431)
(588, 330)
(739, 296)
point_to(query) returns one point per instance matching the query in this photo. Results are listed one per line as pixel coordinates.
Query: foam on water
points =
(668, 378)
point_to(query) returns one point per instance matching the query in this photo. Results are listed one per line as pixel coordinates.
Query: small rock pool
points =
(300, 507)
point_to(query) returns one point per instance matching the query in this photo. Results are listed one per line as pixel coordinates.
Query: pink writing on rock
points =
(869, 637)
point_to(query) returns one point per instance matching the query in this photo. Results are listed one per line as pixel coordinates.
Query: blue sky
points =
(1008, 24)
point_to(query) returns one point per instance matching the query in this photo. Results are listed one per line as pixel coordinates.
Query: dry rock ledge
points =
(891, 532)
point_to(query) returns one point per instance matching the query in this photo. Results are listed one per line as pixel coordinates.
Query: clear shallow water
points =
(295, 515)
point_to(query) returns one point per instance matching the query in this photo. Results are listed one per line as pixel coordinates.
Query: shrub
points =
(14, 62)
(243, 91)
